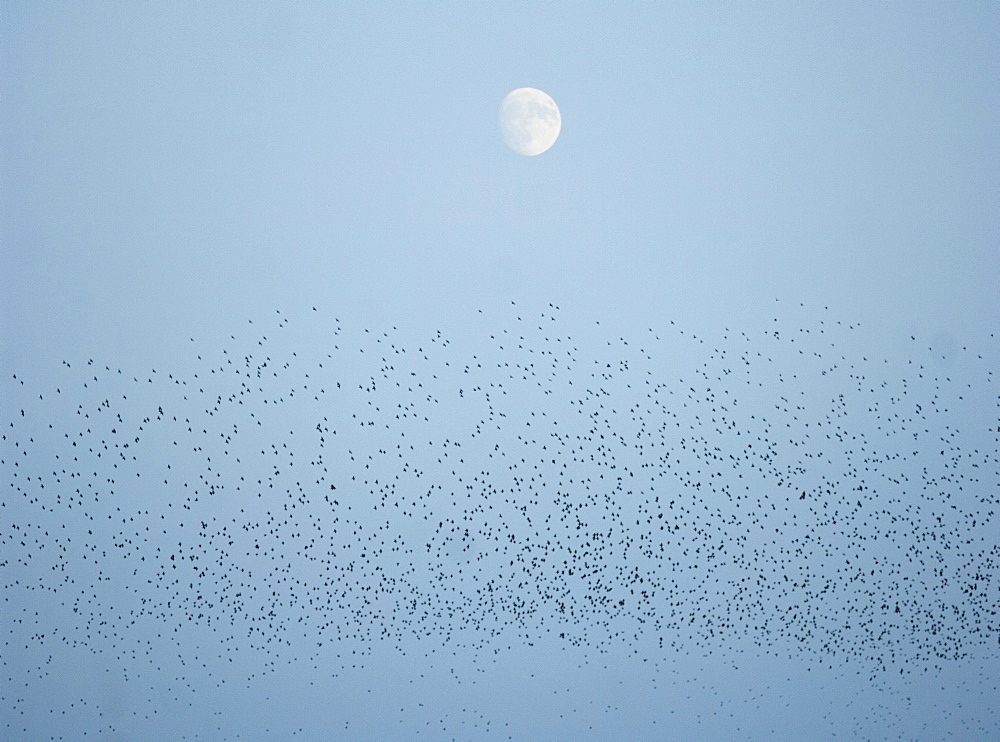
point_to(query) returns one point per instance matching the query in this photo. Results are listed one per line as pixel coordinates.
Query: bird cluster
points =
(663, 492)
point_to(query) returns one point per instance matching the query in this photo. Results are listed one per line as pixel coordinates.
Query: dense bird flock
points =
(772, 488)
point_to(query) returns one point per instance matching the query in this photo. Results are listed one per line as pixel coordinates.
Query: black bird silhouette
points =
(307, 507)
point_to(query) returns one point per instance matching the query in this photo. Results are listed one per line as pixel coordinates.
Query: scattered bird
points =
(779, 491)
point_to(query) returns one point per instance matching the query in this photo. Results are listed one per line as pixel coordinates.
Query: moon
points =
(530, 121)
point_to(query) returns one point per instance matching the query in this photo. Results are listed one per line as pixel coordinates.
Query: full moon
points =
(530, 121)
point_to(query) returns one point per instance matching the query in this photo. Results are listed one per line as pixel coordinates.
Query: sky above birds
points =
(325, 415)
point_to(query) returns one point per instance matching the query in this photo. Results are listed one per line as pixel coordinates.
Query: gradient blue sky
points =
(177, 166)
(171, 171)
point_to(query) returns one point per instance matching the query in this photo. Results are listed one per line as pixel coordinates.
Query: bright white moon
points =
(530, 121)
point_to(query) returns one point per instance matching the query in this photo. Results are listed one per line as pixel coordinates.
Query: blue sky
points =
(180, 182)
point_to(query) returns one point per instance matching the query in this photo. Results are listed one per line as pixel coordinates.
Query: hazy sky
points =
(172, 177)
